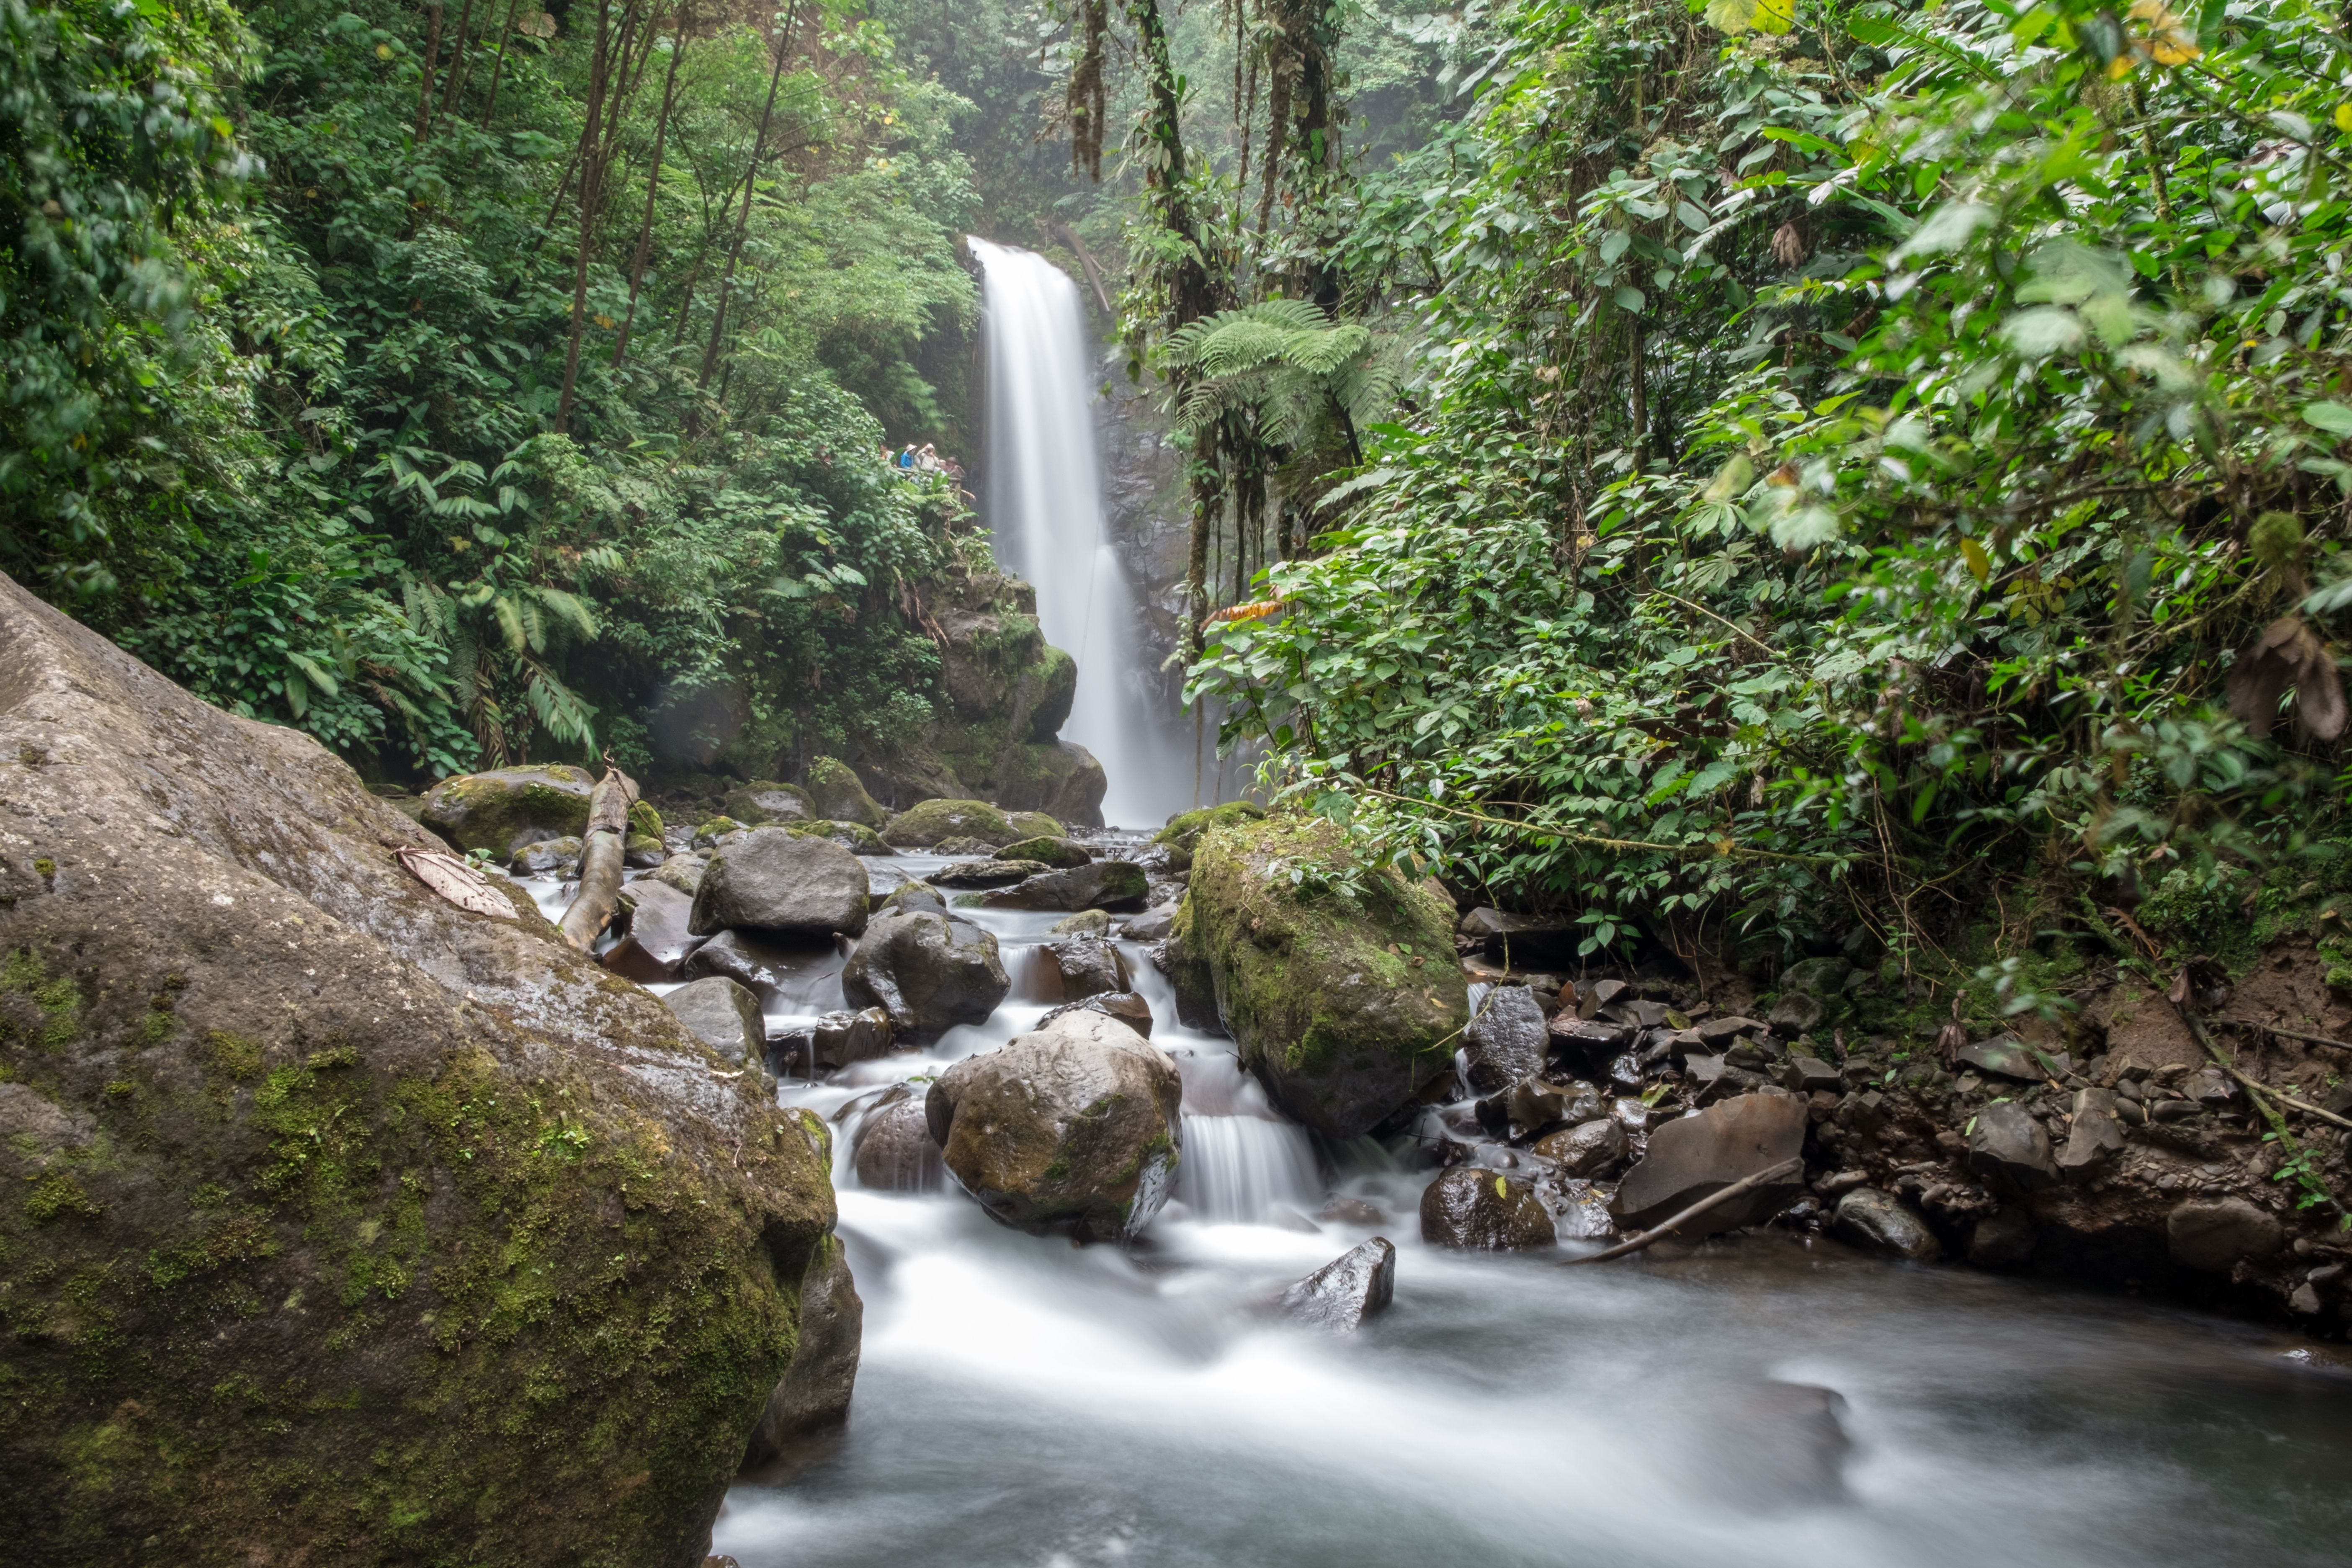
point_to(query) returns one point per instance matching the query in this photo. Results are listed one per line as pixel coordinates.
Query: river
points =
(1024, 1402)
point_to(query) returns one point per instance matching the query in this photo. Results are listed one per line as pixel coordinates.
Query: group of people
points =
(908, 461)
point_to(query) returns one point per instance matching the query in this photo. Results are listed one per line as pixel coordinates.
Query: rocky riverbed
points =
(965, 1186)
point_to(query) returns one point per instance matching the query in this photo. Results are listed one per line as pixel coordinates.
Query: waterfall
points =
(1239, 1158)
(1045, 509)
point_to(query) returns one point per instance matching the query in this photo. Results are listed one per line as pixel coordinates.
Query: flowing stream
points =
(1045, 509)
(1028, 1404)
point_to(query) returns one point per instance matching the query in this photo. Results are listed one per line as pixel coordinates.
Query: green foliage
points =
(1858, 449)
(289, 326)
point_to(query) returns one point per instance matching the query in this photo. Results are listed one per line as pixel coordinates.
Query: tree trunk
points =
(432, 61)
(602, 847)
(653, 187)
(457, 59)
(599, 74)
(498, 69)
(750, 179)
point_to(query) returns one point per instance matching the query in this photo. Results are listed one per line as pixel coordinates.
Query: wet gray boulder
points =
(2213, 1236)
(1153, 925)
(2008, 1144)
(1507, 1039)
(683, 872)
(929, 971)
(1471, 1209)
(658, 941)
(841, 1038)
(2095, 1138)
(894, 1151)
(1127, 1006)
(814, 1391)
(1352, 1287)
(911, 898)
(1880, 1222)
(1079, 967)
(546, 857)
(776, 971)
(1794, 1012)
(1693, 1156)
(1823, 978)
(725, 1016)
(1075, 1127)
(1109, 885)
(781, 884)
(1588, 1149)
(505, 808)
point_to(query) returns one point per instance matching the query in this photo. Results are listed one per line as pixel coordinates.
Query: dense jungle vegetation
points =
(1738, 470)
(1774, 472)
(463, 381)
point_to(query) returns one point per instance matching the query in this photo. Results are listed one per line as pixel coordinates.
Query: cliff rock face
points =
(1004, 694)
(337, 1224)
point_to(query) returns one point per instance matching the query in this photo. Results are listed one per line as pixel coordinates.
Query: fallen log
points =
(602, 844)
(1659, 1232)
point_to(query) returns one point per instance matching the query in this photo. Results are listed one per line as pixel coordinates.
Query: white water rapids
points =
(1022, 1403)
(1044, 500)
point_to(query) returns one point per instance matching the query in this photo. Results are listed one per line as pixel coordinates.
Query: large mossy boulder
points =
(1059, 778)
(765, 800)
(341, 1224)
(927, 823)
(1339, 986)
(840, 795)
(505, 808)
(1075, 1127)
(1184, 829)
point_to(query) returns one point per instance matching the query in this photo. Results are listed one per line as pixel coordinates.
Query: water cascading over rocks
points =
(1046, 506)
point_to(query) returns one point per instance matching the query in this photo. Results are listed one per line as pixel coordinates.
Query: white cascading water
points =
(1046, 508)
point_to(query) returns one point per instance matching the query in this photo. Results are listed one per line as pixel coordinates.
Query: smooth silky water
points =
(1023, 1402)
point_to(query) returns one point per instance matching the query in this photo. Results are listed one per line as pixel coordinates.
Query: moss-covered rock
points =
(1053, 688)
(1184, 830)
(1036, 825)
(1074, 1128)
(839, 794)
(1340, 988)
(363, 1229)
(1058, 852)
(926, 823)
(712, 831)
(853, 837)
(502, 809)
(645, 822)
(765, 800)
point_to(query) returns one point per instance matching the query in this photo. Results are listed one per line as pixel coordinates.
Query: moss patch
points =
(1185, 831)
(1338, 980)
